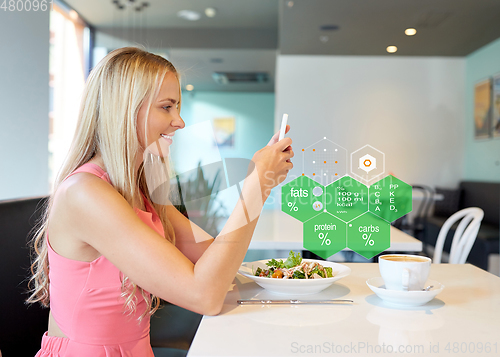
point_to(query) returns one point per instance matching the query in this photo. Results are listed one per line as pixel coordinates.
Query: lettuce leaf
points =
(293, 260)
(297, 274)
(275, 263)
(317, 271)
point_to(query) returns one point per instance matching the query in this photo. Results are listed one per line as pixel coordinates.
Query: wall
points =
(482, 157)
(254, 116)
(410, 108)
(24, 99)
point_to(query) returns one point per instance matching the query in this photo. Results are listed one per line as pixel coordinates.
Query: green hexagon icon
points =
(390, 198)
(346, 198)
(302, 198)
(324, 235)
(368, 235)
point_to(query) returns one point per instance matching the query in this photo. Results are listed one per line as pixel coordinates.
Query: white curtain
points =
(67, 78)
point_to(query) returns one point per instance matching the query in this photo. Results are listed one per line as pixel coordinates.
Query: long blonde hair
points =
(107, 124)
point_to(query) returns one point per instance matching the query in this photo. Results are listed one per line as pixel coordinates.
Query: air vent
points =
(329, 27)
(431, 19)
(240, 77)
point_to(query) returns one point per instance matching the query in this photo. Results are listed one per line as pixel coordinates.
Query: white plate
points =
(404, 298)
(294, 286)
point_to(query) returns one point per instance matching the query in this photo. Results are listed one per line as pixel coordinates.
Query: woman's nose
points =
(178, 122)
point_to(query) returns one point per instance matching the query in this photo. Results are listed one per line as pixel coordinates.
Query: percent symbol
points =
(324, 239)
(293, 207)
(367, 237)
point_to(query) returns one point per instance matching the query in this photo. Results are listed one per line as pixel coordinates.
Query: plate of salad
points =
(294, 276)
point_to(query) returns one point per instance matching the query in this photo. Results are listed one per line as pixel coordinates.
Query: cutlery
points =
(291, 302)
(428, 288)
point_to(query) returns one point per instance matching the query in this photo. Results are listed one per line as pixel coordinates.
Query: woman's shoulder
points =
(91, 168)
(84, 180)
(79, 203)
(84, 189)
(85, 210)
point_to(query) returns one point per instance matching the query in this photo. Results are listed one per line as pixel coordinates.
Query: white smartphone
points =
(283, 126)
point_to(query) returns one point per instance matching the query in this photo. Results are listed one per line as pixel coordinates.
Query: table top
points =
(276, 230)
(462, 320)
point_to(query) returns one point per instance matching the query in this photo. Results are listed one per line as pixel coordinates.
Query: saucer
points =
(404, 298)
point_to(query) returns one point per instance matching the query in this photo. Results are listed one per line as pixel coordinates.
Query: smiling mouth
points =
(168, 137)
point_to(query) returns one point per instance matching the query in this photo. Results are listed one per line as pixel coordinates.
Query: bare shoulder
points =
(82, 203)
(85, 190)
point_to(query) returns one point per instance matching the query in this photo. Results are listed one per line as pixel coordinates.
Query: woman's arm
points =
(91, 211)
(192, 240)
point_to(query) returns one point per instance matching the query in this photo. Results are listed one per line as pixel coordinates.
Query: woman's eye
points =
(167, 107)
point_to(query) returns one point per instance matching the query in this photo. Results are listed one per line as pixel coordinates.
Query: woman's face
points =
(164, 118)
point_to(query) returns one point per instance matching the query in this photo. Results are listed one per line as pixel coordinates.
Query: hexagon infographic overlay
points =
(302, 198)
(344, 212)
(324, 235)
(346, 198)
(390, 198)
(368, 235)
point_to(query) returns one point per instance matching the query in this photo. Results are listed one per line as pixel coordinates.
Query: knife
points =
(291, 302)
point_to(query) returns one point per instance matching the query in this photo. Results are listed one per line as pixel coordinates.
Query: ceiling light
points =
(391, 49)
(210, 12)
(189, 15)
(73, 14)
(410, 32)
(189, 87)
(162, 54)
(240, 77)
(290, 4)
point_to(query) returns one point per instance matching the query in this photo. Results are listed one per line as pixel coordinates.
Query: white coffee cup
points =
(404, 272)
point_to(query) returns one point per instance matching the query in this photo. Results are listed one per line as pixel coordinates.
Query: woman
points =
(106, 252)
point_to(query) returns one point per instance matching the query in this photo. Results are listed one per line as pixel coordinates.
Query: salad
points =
(294, 268)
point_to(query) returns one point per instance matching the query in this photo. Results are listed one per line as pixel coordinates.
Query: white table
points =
(276, 230)
(465, 315)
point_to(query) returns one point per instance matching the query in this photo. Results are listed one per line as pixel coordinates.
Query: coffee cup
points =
(404, 272)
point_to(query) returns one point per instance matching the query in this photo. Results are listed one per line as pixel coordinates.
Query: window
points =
(68, 68)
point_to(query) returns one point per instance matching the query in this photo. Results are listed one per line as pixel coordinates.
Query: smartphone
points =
(283, 126)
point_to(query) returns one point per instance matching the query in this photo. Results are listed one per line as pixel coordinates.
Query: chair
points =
(423, 208)
(464, 236)
(21, 326)
(172, 330)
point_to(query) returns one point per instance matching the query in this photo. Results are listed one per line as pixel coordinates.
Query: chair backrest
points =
(21, 326)
(423, 208)
(464, 236)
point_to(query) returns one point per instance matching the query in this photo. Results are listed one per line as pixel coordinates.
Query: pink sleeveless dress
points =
(86, 304)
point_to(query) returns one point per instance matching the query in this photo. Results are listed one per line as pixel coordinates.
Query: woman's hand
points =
(276, 136)
(273, 162)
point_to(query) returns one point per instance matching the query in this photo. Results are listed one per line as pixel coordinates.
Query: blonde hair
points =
(107, 124)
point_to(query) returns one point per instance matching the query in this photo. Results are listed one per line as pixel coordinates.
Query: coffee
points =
(404, 271)
(404, 258)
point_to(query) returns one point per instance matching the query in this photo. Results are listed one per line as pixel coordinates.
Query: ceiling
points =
(246, 35)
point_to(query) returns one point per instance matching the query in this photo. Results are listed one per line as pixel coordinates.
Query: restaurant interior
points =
(413, 86)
